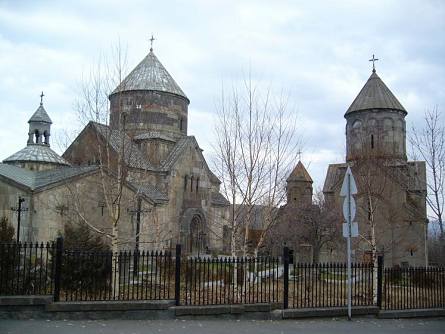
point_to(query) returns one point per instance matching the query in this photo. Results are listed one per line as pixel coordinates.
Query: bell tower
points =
(39, 126)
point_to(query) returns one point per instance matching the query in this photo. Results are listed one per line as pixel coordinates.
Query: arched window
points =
(181, 123)
(46, 137)
(37, 135)
(186, 178)
(357, 125)
(197, 184)
(191, 184)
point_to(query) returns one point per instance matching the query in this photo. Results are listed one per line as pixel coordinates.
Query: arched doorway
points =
(198, 236)
(194, 234)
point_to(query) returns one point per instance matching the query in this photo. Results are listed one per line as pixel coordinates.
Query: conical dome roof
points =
(37, 153)
(375, 95)
(40, 115)
(150, 74)
(299, 174)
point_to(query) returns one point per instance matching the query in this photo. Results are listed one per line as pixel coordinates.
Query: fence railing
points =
(26, 268)
(231, 280)
(75, 275)
(325, 285)
(127, 275)
(413, 288)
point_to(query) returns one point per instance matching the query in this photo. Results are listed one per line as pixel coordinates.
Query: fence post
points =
(58, 268)
(178, 275)
(379, 281)
(286, 277)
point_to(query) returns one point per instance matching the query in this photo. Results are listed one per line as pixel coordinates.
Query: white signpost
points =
(350, 229)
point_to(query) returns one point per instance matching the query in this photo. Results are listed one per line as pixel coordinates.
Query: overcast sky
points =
(316, 51)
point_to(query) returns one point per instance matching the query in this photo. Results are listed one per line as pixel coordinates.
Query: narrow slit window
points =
(372, 141)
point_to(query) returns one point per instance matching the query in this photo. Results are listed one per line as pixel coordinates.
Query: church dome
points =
(375, 95)
(375, 123)
(35, 153)
(147, 101)
(150, 75)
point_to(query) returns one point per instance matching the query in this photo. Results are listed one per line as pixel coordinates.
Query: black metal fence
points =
(231, 280)
(128, 275)
(413, 288)
(73, 275)
(26, 268)
(325, 285)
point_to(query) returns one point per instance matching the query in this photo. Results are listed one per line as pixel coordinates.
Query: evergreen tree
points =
(7, 231)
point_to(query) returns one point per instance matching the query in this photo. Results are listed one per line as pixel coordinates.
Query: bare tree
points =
(428, 142)
(317, 225)
(256, 146)
(93, 108)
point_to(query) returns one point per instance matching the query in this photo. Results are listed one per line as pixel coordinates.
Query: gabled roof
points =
(299, 174)
(36, 180)
(150, 191)
(37, 153)
(375, 95)
(40, 115)
(133, 156)
(218, 199)
(150, 74)
(178, 150)
(334, 177)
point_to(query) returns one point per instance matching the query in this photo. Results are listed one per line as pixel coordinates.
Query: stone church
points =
(169, 193)
(391, 199)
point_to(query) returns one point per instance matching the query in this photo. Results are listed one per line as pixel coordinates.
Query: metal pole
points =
(349, 248)
(58, 268)
(19, 214)
(178, 275)
(286, 278)
(138, 228)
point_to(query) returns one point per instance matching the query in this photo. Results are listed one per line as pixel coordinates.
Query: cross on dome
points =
(373, 59)
(152, 39)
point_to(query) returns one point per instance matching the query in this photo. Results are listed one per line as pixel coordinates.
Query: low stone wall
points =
(43, 307)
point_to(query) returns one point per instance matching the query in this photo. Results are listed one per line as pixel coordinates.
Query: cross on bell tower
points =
(152, 39)
(373, 59)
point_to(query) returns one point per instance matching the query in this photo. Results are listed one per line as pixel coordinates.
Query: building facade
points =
(391, 199)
